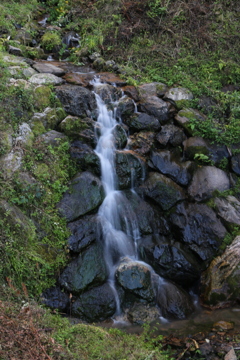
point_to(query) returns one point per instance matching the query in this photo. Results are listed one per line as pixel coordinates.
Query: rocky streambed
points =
(179, 202)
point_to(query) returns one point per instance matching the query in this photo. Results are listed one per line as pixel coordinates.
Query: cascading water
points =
(115, 213)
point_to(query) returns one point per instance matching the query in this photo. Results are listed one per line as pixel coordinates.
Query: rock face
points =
(221, 281)
(135, 277)
(96, 304)
(170, 164)
(85, 194)
(77, 100)
(199, 229)
(88, 270)
(206, 180)
(162, 190)
(174, 302)
(156, 107)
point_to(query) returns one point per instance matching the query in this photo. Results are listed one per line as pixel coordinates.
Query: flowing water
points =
(115, 213)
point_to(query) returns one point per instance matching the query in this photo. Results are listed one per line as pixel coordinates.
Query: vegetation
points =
(194, 44)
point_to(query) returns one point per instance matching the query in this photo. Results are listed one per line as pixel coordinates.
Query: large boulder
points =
(130, 169)
(55, 298)
(170, 164)
(149, 219)
(141, 121)
(120, 137)
(156, 107)
(185, 116)
(85, 157)
(199, 229)
(135, 277)
(174, 302)
(85, 194)
(83, 233)
(170, 261)
(80, 129)
(97, 304)
(125, 108)
(220, 283)
(45, 67)
(77, 100)
(178, 94)
(87, 270)
(228, 209)
(152, 89)
(142, 142)
(162, 190)
(45, 79)
(195, 146)
(107, 93)
(206, 180)
(143, 313)
(170, 134)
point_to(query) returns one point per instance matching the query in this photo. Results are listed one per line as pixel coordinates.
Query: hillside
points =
(167, 44)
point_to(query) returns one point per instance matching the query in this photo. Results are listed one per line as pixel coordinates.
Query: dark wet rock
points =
(85, 157)
(143, 313)
(142, 142)
(135, 277)
(235, 164)
(120, 137)
(199, 229)
(86, 271)
(170, 261)
(170, 164)
(170, 134)
(141, 121)
(45, 67)
(55, 298)
(148, 217)
(125, 108)
(14, 50)
(228, 209)
(174, 302)
(53, 138)
(196, 145)
(220, 283)
(77, 100)
(162, 190)
(152, 89)
(83, 233)
(130, 169)
(156, 107)
(131, 91)
(85, 194)
(108, 93)
(206, 180)
(184, 117)
(96, 304)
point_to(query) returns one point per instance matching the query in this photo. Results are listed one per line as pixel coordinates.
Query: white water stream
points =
(119, 222)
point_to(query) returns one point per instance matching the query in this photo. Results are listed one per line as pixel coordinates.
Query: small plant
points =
(50, 40)
(202, 158)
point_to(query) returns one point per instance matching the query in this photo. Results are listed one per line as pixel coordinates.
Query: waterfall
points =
(118, 221)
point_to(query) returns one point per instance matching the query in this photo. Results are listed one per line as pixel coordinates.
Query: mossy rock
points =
(18, 224)
(73, 125)
(5, 142)
(42, 97)
(37, 127)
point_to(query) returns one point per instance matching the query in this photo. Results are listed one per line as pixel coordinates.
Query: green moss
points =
(50, 40)
(42, 97)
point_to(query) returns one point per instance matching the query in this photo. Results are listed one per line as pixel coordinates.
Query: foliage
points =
(50, 40)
